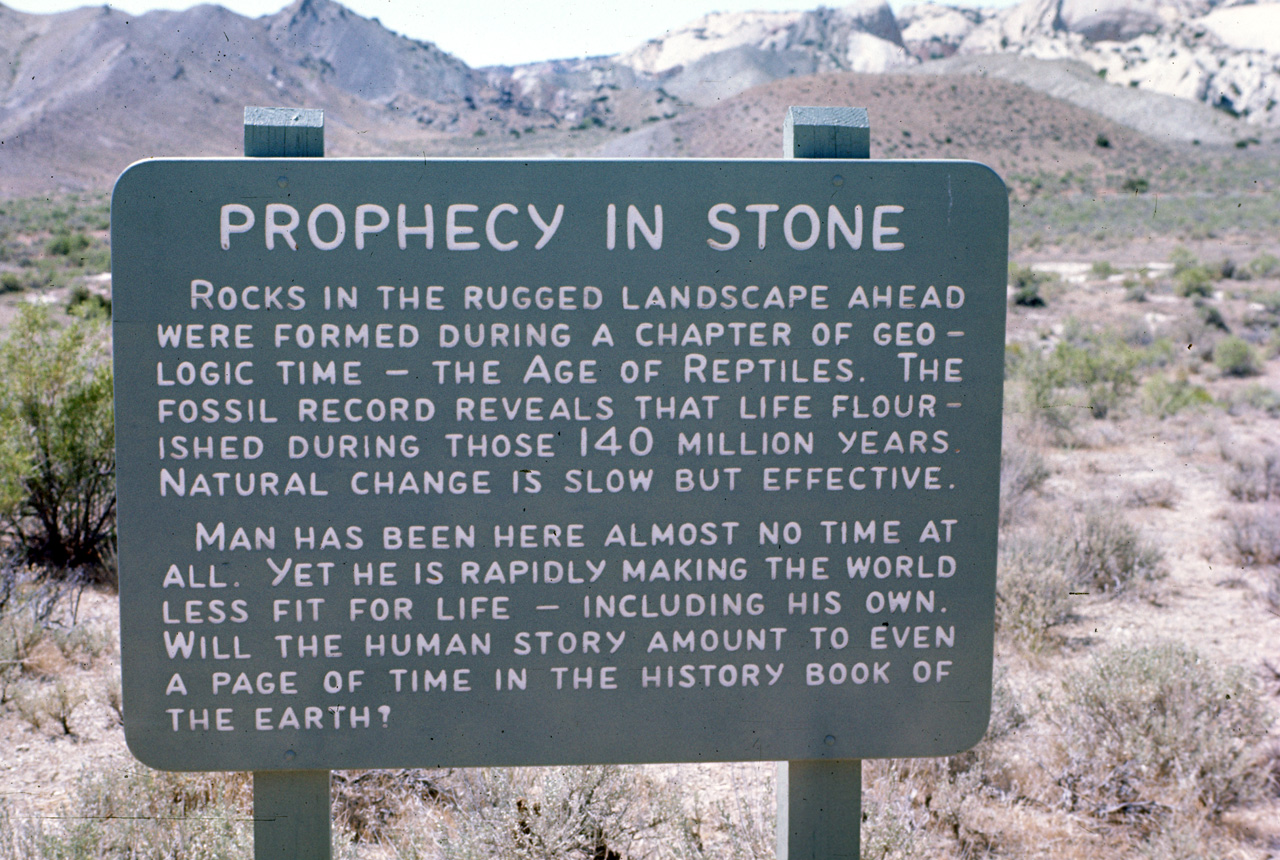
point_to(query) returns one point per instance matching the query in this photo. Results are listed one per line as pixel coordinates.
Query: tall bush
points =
(57, 443)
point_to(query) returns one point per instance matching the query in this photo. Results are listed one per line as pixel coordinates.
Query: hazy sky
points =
(487, 32)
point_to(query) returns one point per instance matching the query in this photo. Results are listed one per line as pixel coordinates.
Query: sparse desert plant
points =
(1094, 375)
(1102, 269)
(1263, 266)
(1164, 397)
(547, 813)
(1032, 593)
(42, 704)
(1158, 728)
(1102, 552)
(1195, 281)
(1026, 283)
(142, 813)
(1156, 493)
(57, 442)
(114, 698)
(1104, 374)
(888, 830)
(60, 703)
(1235, 356)
(369, 804)
(1253, 535)
(1022, 471)
(87, 304)
(1256, 477)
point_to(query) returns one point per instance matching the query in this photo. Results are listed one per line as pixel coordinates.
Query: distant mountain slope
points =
(90, 90)
(83, 93)
(1016, 130)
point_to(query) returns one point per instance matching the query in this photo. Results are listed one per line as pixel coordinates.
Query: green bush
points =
(1194, 281)
(1235, 356)
(1160, 727)
(1163, 397)
(66, 244)
(1102, 369)
(57, 443)
(87, 304)
(1102, 269)
(1263, 265)
(1026, 283)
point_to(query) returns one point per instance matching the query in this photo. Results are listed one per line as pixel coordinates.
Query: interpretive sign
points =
(453, 463)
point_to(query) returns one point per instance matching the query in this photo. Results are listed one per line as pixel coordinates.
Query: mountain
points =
(86, 92)
(1216, 54)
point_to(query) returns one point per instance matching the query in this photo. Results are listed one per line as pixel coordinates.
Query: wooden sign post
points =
(820, 801)
(291, 808)
(461, 463)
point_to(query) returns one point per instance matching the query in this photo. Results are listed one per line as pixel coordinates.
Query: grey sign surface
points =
(496, 463)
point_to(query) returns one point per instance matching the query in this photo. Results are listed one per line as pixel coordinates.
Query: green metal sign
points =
(500, 463)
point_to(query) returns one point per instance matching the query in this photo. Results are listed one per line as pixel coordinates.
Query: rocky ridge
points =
(1223, 55)
(83, 93)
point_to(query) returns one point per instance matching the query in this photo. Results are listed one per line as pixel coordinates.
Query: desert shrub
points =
(1095, 374)
(1263, 265)
(1159, 727)
(1101, 551)
(888, 831)
(120, 815)
(1235, 356)
(370, 804)
(37, 624)
(1156, 493)
(1213, 319)
(1255, 396)
(1163, 397)
(1190, 276)
(950, 796)
(66, 244)
(1182, 259)
(1102, 269)
(1104, 371)
(57, 443)
(1253, 536)
(549, 814)
(1032, 594)
(1256, 477)
(1270, 302)
(1136, 185)
(1026, 283)
(1022, 471)
(49, 704)
(1194, 281)
(87, 304)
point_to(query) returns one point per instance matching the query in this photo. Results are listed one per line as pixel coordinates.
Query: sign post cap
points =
(280, 132)
(826, 132)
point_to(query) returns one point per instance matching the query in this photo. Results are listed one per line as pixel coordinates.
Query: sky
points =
(489, 32)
